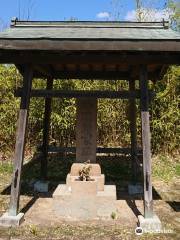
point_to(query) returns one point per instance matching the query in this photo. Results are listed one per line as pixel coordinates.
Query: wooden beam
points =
(47, 117)
(83, 93)
(54, 149)
(89, 45)
(132, 118)
(85, 75)
(148, 199)
(80, 93)
(89, 57)
(20, 141)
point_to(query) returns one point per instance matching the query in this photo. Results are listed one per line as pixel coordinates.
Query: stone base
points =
(151, 225)
(135, 189)
(73, 206)
(41, 186)
(8, 221)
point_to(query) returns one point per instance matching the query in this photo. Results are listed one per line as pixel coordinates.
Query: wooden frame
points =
(20, 141)
(148, 199)
(132, 118)
(83, 93)
(47, 118)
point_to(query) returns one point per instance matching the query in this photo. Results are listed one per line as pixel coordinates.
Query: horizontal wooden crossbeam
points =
(87, 57)
(54, 149)
(87, 75)
(81, 93)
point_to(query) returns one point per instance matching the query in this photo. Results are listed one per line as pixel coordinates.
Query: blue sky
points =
(64, 9)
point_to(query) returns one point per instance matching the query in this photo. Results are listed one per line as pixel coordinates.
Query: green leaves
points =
(113, 123)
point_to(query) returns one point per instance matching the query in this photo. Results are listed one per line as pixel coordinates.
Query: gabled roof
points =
(90, 30)
(86, 35)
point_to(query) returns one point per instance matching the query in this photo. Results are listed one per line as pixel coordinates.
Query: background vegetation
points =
(113, 123)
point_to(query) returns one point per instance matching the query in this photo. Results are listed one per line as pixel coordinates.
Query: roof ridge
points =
(114, 24)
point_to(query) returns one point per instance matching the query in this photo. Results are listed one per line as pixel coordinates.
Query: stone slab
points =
(108, 193)
(99, 179)
(86, 129)
(41, 186)
(8, 221)
(150, 225)
(84, 188)
(84, 205)
(135, 189)
(62, 190)
(94, 171)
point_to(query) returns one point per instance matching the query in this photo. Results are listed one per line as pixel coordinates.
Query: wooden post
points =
(47, 117)
(148, 200)
(132, 118)
(20, 141)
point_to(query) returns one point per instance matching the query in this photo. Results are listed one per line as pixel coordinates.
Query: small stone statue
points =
(84, 173)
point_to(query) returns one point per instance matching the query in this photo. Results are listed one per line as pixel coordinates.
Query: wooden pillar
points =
(20, 140)
(132, 118)
(148, 200)
(47, 118)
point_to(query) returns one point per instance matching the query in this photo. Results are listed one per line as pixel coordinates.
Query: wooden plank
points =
(47, 118)
(54, 149)
(132, 118)
(81, 94)
(148, 199)
(112, 24)
(85, 75)
(90, 45)
(88, 57)
(20, 141)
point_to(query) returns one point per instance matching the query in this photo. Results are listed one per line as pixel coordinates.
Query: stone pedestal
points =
(86, 129)
(41, 186)
(134, 189)
(150, 225)
(11, 221)
(85, 200)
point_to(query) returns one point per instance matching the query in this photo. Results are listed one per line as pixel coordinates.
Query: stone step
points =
(109, 192)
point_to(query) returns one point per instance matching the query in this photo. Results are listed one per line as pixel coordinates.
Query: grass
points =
(6, 167)
(166, 168)
(81, 232)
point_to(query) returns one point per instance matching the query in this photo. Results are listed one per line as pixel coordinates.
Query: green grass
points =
(166, 168)
(6, 167)
(178, 169)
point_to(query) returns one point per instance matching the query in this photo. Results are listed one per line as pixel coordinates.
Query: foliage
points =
(166, 112)
(113, 123)
(8, 106)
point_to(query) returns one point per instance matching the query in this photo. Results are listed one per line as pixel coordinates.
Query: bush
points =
(113, 124)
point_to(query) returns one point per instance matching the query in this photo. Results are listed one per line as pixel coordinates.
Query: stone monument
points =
(84, 196)
(86, 129)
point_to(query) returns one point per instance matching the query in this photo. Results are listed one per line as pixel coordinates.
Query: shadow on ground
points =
(117, 170)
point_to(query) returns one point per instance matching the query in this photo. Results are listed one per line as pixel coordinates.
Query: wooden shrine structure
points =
(88, 50)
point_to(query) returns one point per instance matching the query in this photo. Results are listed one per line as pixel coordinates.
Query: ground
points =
(40, 222)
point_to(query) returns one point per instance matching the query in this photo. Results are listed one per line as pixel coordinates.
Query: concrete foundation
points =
(85, 200)
(8, 221)
(41, 186)
(150, 225)
(135, 189)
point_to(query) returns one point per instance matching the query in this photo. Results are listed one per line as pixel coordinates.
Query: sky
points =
(67, 9)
